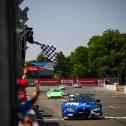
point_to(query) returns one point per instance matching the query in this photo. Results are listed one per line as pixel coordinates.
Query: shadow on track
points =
(40, 114)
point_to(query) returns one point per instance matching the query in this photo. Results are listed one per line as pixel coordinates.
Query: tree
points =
(80, 55)
(29, 63)
(41, 58)
(63, 68)
(107, 53)
(79, 71)
(79, 62)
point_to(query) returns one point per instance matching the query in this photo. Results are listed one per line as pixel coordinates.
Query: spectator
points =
(25, 105)
(22, 84)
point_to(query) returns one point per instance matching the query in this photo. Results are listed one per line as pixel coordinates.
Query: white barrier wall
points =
(125, 89)
(111, 87)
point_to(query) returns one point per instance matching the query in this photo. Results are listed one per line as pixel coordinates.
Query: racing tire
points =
(102, 117)
(62, 114)
(64, 117)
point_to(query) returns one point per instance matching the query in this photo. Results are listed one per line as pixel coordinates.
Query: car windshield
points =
(82, 99)
(55, 90)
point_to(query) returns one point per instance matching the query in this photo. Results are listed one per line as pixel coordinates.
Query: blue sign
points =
(39, 63)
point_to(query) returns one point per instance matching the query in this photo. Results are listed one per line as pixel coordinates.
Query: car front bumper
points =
(83, 114)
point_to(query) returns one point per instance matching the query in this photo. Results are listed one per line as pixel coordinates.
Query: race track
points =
(114, 105)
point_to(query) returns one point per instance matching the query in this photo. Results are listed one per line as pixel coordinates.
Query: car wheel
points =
(102, 117)
(62, 114)
(64, 117)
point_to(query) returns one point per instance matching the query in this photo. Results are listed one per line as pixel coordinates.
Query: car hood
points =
(81, 105)
(55, 93)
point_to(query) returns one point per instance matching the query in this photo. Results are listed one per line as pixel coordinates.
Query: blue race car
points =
(82, 106)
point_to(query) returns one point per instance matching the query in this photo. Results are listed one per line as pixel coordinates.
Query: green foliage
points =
(79, 71)
(28, 63)
(79, 62)
(41, 58)
(64, 68)
(107, 53)
(80, 55)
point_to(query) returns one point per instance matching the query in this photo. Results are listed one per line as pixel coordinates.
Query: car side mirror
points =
(64, 101)
(98, 100)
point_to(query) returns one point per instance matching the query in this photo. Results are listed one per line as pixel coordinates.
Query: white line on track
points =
(51, 119)
(61, 119)
(113, 107)
(118, 117)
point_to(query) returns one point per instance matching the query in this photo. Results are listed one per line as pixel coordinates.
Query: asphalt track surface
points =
(114, 106)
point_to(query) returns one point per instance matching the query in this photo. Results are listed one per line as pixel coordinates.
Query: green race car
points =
(54, 93)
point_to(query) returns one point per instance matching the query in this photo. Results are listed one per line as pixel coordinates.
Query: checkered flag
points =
(49, 52)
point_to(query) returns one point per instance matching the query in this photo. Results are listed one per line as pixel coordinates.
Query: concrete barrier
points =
(116, 87)
(120, 88)
(125, 89)
(111, 87)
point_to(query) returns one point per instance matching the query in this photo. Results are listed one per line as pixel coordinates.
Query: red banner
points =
(69, 82)
(33, 68)
(86, 82)
(47, 82)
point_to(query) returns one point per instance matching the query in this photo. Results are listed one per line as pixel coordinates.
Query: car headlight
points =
(96, 109)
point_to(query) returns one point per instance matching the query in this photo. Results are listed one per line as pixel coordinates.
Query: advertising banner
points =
(46, 68)
(88, 82)
(68, 82)
(33, 68)
(52, 82)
